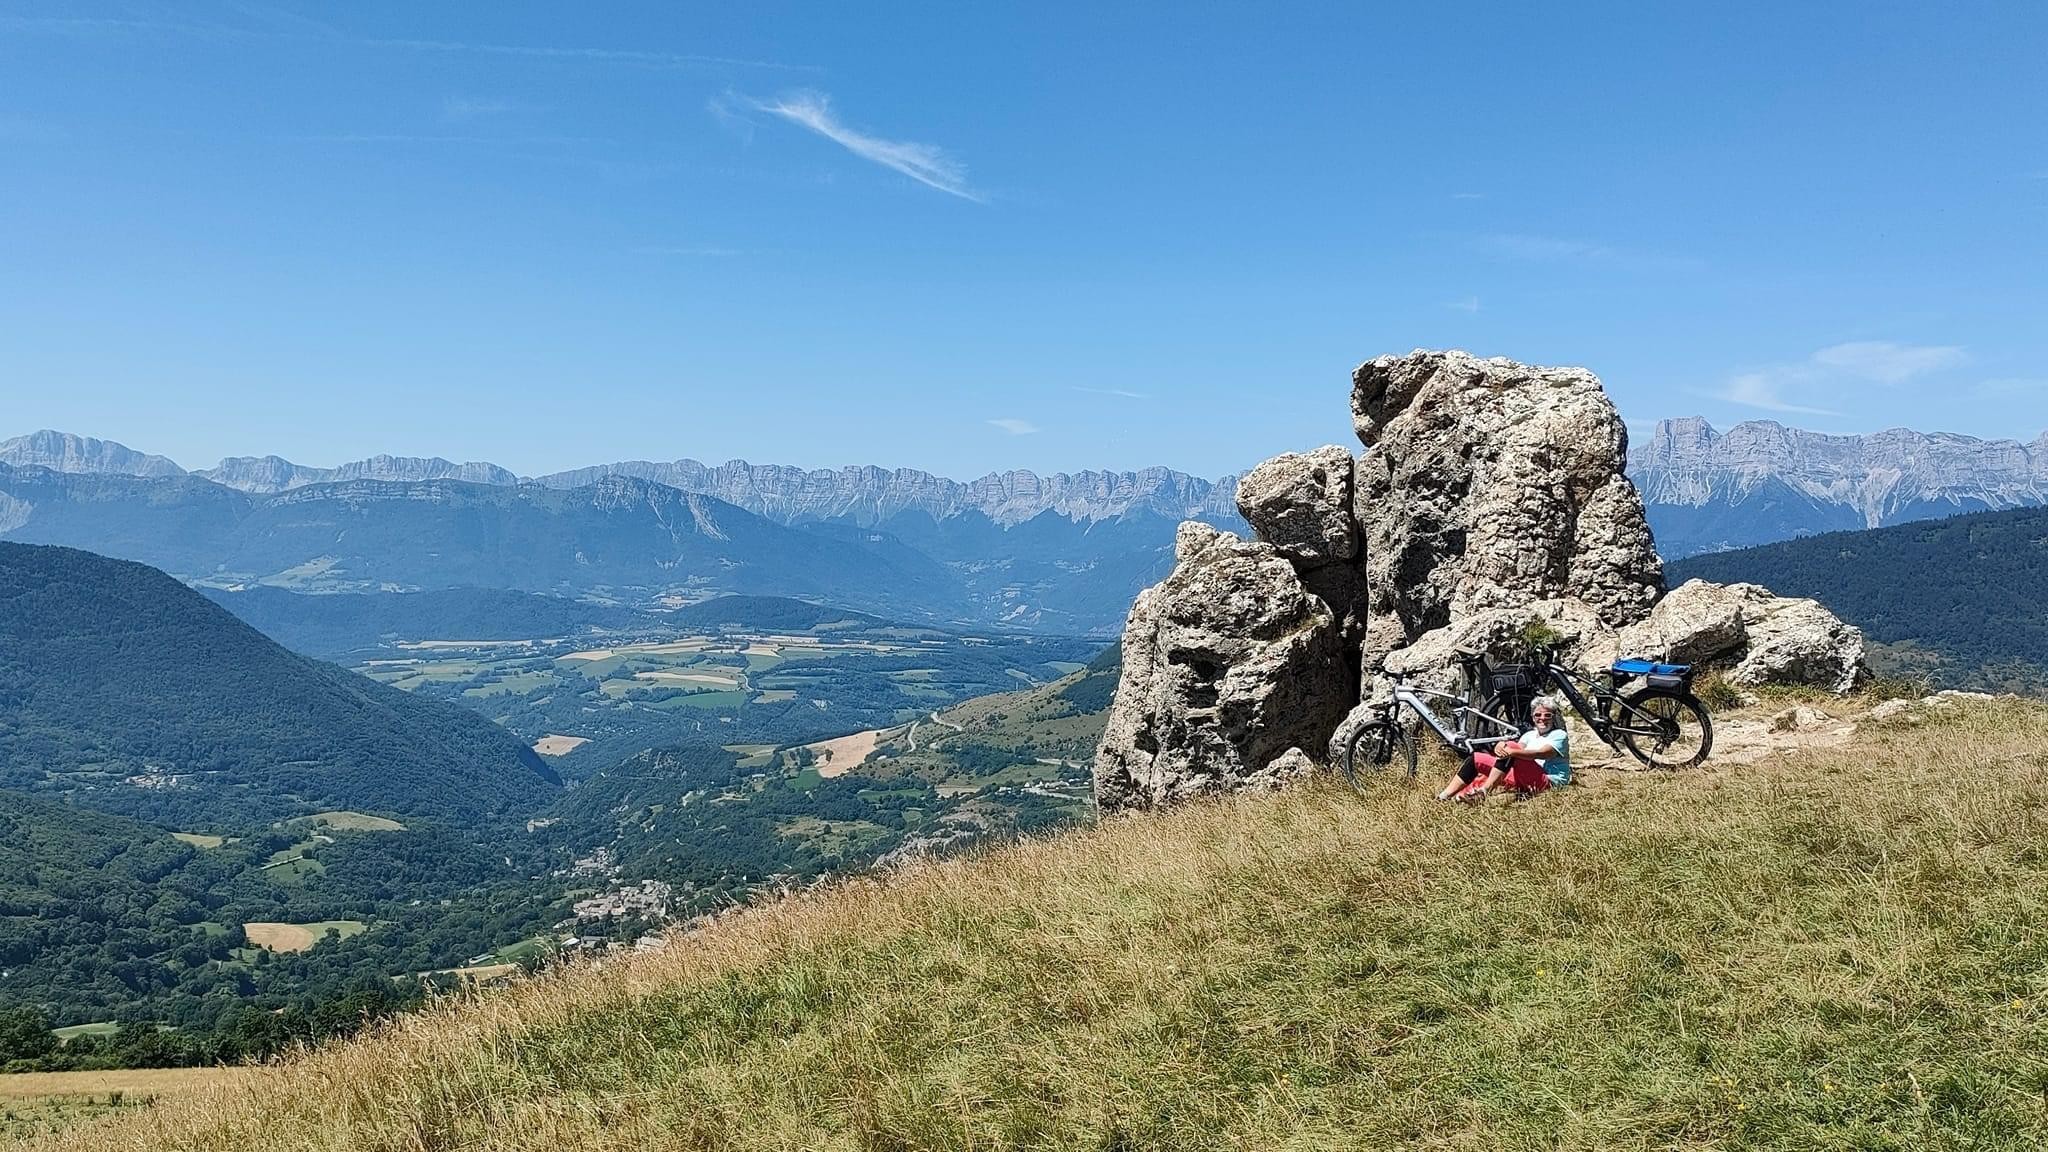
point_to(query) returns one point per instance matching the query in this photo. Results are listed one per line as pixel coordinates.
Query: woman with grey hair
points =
(1534, 763)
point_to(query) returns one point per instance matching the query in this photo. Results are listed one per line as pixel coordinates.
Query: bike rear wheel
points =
(1375, 749)
(1664, 728)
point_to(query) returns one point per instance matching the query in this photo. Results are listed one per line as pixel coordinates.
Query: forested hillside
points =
(1957, 600)
(125, 691)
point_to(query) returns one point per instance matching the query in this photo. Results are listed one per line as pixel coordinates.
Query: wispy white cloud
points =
(463, 109)
(1468, 195)
(1837, 371)
(1468, 304)
(1761, 390)
(1123, 392)
(927, 164)
(1014, 426)
(1886, 362)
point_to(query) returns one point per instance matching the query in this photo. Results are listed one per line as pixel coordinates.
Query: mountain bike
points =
(1659, 721)
(1383, 742)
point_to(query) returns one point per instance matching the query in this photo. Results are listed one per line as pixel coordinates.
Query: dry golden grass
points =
(279, 937)
(1836, 949)
(159, 1082)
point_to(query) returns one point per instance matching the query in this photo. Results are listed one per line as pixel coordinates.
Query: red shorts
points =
(1524, 774)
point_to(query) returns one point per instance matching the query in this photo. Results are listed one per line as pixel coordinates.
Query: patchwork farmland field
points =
(586, 704)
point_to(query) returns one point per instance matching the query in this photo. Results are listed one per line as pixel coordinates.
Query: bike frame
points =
(1416, 699)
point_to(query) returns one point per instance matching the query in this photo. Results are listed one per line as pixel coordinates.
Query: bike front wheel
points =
(1377, 748)
(1664, 728)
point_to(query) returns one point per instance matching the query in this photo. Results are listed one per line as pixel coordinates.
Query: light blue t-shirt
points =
(1558, 765)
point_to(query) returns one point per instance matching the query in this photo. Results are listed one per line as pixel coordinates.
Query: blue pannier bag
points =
(1655, 674)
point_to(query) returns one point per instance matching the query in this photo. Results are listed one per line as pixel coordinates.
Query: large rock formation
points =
(1491, 494)
(1228, 664)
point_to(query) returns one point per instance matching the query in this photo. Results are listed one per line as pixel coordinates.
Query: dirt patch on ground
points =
(554, 745)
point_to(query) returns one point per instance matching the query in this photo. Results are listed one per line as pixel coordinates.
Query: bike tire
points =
(1687, 722)
(1373, 749)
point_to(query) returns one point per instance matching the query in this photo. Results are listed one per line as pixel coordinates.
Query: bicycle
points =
(1660, 722)
(1383, 741)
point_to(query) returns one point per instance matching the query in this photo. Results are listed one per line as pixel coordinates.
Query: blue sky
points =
(968, 237)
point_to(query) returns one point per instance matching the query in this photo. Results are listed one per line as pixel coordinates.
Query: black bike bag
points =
(1512, 678)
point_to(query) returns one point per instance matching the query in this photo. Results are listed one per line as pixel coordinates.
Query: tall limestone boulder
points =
(1491, 484)
(1491, 494)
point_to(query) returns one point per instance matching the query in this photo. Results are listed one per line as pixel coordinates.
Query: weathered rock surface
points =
(1491, 495)
(1800, 642)
(1228, 664)
(1694, 623)
(1491, 484)
(1301, 504)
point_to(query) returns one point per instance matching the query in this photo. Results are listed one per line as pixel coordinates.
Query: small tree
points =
(25, 1035)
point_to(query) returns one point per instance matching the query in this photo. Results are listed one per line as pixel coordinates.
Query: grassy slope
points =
(1833, 950)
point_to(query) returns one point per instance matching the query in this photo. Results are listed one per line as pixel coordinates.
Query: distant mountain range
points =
(1761, 482)
(863, 496)
(1061, 553)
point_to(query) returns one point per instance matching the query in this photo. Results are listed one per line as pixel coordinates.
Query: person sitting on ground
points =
(1532, 764)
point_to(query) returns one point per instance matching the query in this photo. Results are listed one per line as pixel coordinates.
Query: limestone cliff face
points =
(1761, 481)
(868, 495)
(64, 452)
(1490, 492)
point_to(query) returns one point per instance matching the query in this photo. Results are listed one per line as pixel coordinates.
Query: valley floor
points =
(1824, 947)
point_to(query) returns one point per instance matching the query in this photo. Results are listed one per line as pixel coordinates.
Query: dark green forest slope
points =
(1960, 600)
(127, 692)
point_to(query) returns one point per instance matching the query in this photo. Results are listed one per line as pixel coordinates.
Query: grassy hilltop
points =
(1838, 948)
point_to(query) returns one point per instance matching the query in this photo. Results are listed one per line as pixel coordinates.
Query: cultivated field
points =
(355, 822)
(279, 937)
(842, 754)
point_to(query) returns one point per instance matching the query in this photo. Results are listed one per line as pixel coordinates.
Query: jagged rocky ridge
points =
(865, 496)
(1490, 493)
(1760, 481)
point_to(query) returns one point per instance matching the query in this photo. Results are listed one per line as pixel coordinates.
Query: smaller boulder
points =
(1799, 642)
(1695, 623)
(1799, 719)
(1193, 536)
(1290, 767)
(1300, 502)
